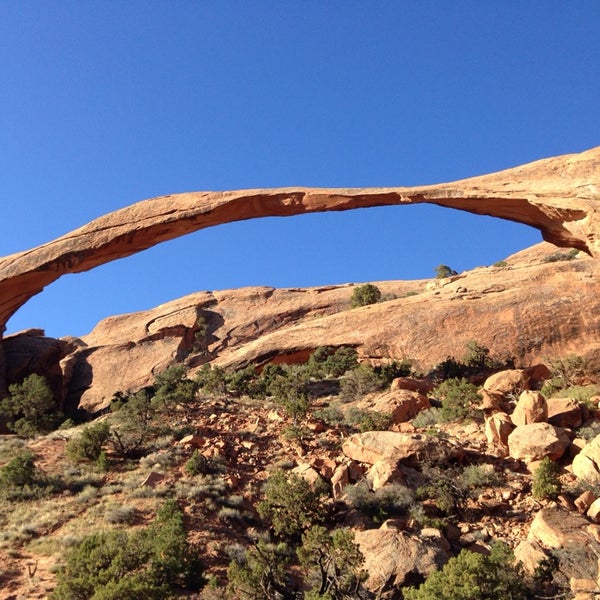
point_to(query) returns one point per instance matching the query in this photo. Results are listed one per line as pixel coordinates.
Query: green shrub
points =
(389, 501)
(261, 572)
(20, 471)
(328, 361)
(172, 389)
(474, 576)
(198, 464)
(357, 383)
(368, 420)
(561, 256)
(364, 295)
(88, 446)
(30, 407)
(332, 562)
(118, 565)
(290, 505)
(443, 271)
(458, 398)
(211, 380)
(546, 481)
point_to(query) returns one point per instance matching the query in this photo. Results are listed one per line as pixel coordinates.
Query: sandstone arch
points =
(559, 196)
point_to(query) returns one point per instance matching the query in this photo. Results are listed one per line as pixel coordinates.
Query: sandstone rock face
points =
(391, 556)
(537, 440)
(535, 313)
(586, 465)
(531, 408)
(556, 195)
(557, 528)
(540, 309)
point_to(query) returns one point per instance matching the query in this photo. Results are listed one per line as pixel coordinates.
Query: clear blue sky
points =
(106, 103)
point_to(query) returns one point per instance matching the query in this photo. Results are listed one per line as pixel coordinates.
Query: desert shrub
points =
(290, 505)
(332, 562)
(391, 500)
(135, 423)
(198, 464)
(289, 391)
(477, 355)
(449, 368)
(458, 398)
(589, 432)
(363, 295)
(246, 382)
(358, 382)
(389, 371)
(428, 417)
(568, 371)
(20, 479)
(212, 380)
(20, 471)
(545, 482)
(88, 445)
(328, 361)
(561, 256)
(500, 264)
(442, 271)
(121, 515)
(474, 576)
(260, 573)
(475, 477)
(172, 389)
(30, 407)
(368, 420)
(332, 415)
(118, 565)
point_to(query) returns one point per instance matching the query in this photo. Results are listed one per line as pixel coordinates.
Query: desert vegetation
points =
(266, 482)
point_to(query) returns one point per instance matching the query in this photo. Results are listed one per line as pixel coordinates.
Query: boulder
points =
(531, 408)
(531, 554)
(391, 556)
(373, 446)
(497, 429)
(384, 471)
(509, 381)
(564, 412)
(586, 465)
(556, 528)
(537, 440)
(401, 405)
(339, 480)
(584, 501)
(412, 384)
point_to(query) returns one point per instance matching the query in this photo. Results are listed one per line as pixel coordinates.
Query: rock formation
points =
(530, 309)
(556, 195)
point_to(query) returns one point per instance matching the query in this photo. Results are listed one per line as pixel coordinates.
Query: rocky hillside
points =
(415, 471)
(538, 303)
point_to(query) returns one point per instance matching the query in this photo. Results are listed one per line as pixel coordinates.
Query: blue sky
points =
(107, 103)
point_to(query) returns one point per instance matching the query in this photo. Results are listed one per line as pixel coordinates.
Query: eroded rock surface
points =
(557, 195)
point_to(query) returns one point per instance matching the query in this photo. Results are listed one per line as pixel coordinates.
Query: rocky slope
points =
(556, 195)
(528, 308)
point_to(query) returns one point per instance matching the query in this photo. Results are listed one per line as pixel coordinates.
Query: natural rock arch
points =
(559, 196)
